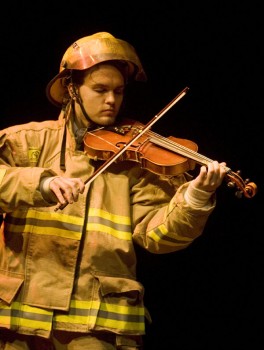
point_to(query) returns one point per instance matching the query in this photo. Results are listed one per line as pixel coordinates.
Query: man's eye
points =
(100, 90)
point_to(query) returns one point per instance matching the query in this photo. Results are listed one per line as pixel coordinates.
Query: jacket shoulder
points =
(31, 128)
(34, 125)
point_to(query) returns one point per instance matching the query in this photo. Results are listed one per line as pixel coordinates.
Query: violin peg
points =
(239, 194)
(231, 184)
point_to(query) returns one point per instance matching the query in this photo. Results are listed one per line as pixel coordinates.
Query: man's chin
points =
(106, 120)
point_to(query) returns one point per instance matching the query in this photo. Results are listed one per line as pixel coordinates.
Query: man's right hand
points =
(62, 190)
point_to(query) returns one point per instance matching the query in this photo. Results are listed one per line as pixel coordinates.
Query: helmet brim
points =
(56, 88)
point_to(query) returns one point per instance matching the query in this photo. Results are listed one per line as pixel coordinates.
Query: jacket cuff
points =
(197, 198)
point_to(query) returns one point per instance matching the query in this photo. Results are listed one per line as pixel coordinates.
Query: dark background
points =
(210, 295)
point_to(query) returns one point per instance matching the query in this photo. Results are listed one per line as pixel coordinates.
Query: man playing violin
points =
(68, 263)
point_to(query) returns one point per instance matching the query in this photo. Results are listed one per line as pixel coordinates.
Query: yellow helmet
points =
(89, 51)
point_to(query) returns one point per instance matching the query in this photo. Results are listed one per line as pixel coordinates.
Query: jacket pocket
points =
(121, 288)
(9, 287)
(117, 306)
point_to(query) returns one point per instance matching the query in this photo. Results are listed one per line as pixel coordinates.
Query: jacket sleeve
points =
(19, 183)
(163, 221)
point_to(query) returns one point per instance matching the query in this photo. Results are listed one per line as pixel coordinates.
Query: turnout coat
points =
(75, 269)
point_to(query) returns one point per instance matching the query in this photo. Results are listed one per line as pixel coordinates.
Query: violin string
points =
(172, 145)
(102, 139)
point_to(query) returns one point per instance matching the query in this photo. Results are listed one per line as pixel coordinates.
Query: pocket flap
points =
(119, 285)
(9, 287)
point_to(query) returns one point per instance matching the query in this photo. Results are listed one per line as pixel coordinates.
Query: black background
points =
(208, 296)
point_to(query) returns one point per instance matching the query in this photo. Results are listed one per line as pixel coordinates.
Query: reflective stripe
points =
(107, 322)
(121, 317)
(161, 234)
(103, 314)
(62, 225)
(17, 314)
(125, 220)
(88, 313)
(45, 223)
(115, 225)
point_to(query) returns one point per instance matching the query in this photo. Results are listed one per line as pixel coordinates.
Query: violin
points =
(170, 156)
(153, 152)
(163, 156)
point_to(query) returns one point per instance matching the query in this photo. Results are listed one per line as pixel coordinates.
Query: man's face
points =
(102, 94)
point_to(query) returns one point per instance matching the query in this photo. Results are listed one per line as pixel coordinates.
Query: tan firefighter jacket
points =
(75, 269)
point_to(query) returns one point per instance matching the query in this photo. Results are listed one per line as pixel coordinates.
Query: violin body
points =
(102, 143)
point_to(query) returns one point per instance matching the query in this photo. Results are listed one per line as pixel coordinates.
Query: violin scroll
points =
(243, 187)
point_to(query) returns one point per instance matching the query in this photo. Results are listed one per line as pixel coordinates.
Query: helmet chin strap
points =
(73, 97)
(76, 97)
(84, 111)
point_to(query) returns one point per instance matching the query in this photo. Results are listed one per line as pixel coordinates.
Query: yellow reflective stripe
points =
(50, 215)
(18, 314)
(16, 305)
(78, 304)
(83, 306)
(121, 309)
(109, 230)
(5, 320)
(116, 316)
(116, 225)
(156, 235)
(2, 174)
(46, 223)
(84, 313)
(129, 326)
(161, 234)
(125, 220)
(18, 321)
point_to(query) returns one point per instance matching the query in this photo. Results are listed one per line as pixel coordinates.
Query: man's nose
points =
(110, 97)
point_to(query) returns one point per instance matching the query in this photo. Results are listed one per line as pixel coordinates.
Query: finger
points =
(55, 187)
(203, 172)
(77, 188)
(59, 195)
(77, 184)
(81, 185)
(212, 176)
(63, 189)
(223, 169)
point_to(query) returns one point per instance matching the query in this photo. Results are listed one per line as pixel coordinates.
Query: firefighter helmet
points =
(89, 51)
